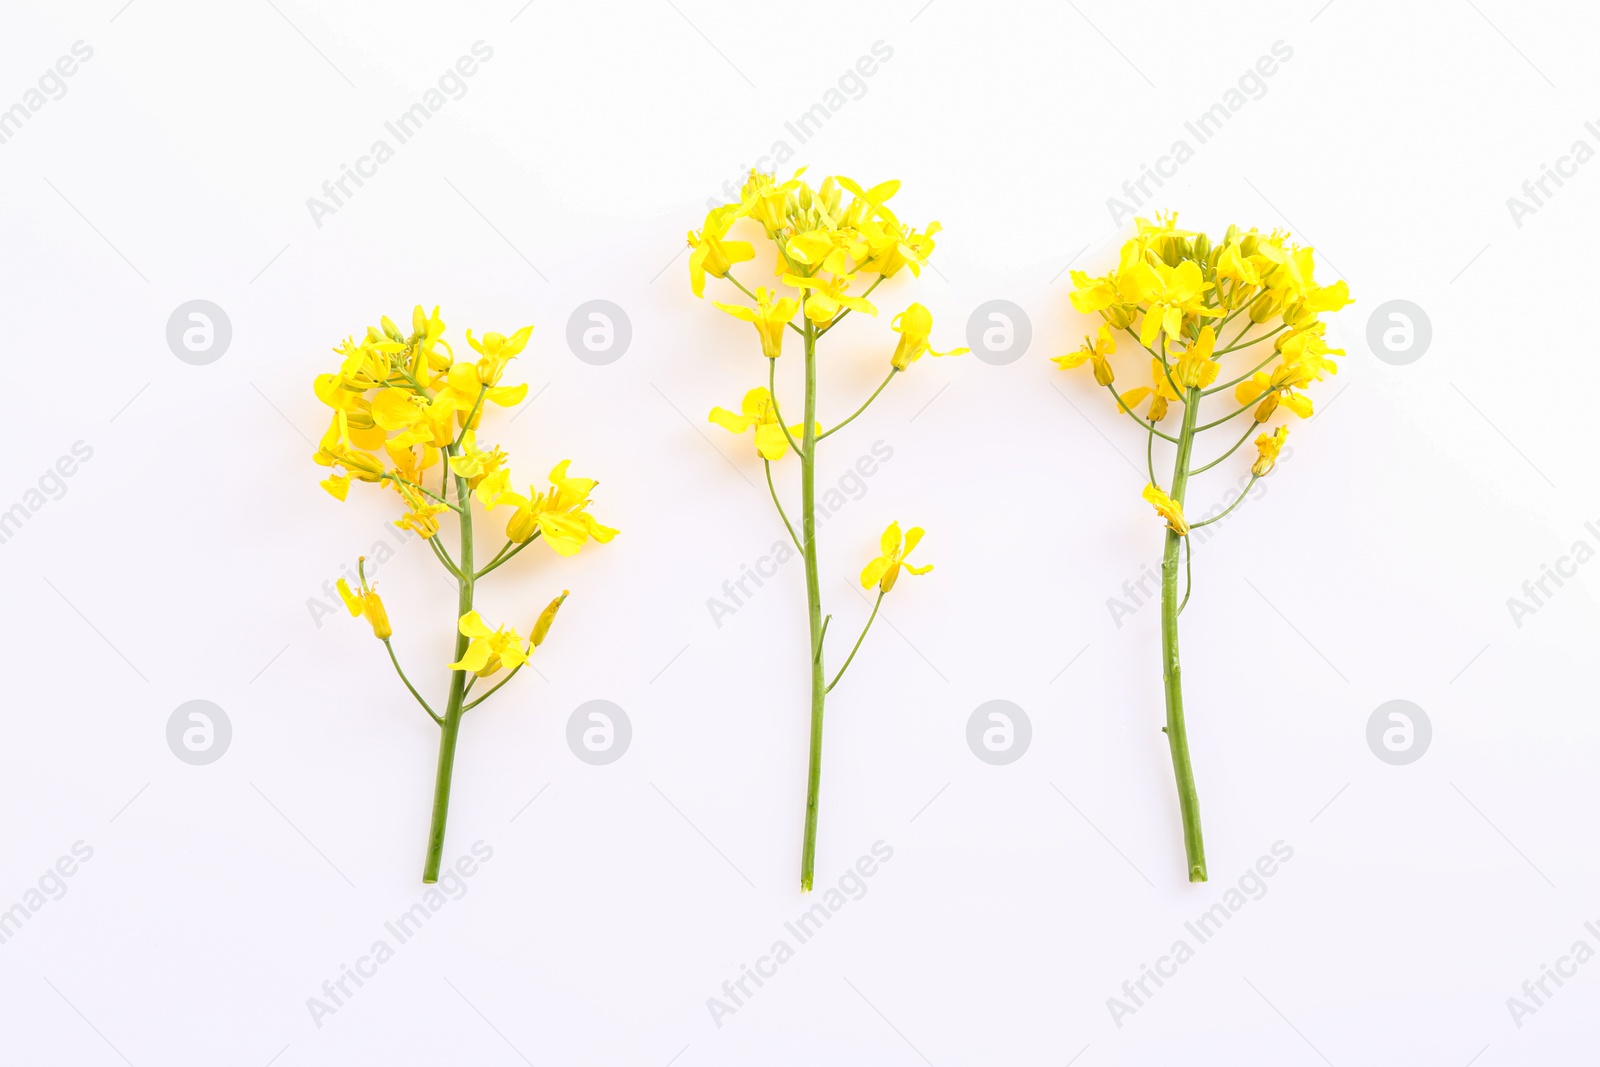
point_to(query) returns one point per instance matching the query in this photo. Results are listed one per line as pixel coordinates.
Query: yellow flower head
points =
(1268, 445)
(473, 463)
(1168, 509)
(1195, 368)
(488, 650)
(1094, 352)
(712, 255)
(366, 602)
(1160, 392)
(760, 412)
(1279, 387)
(395, 391)
(885, 570)
(826, 297)
(497, 350)
(914, 325)
(560, 515)
(891, 247)
(771, 318)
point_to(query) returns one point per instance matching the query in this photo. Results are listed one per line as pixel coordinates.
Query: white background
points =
(180, 561)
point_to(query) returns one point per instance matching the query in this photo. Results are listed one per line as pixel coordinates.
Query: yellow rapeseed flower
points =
(914, 325)
(885, 570)
(1168, 509)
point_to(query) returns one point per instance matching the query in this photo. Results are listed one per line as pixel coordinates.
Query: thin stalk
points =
(1248, 431)
(1141, 422)
(787, 525)
(1218, 518)
(892, 372)
(1171, 672)
(1225, 418)
(808, 550)
(875, 605)
(450, 728)
(772, 392)
(418, 487)
(1249, 373)
(509, 675)
(443, 556)
(392, 659)
(502, 560)
(1236, 346)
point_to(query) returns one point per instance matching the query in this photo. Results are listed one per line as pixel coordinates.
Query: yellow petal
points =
(393, 410)
(507, 395)
(472, 625)
(729, 421)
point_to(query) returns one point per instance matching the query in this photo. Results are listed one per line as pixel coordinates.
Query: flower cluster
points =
(401, 401)
(826, 243)
(1174, 292)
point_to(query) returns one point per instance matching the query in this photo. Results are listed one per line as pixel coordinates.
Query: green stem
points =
(1247, 374)
(787, 525)
(808, 550)
(418, 487)
(503, 557)
(1248, 431)
(1141, 422)
(1225, 418)
(875, 605)
(1218, 518)
(443, 556)
(1171, 673)
(892, 372)
(392, 659)
(772, 392)
(509, 675)
(451, 726)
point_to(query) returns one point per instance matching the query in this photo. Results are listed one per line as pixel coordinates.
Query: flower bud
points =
(546, 617)
(1103, 374)
(1268, 405)
(1120, 315)
(1264, 307)
(1268, 445)
(379, 618)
